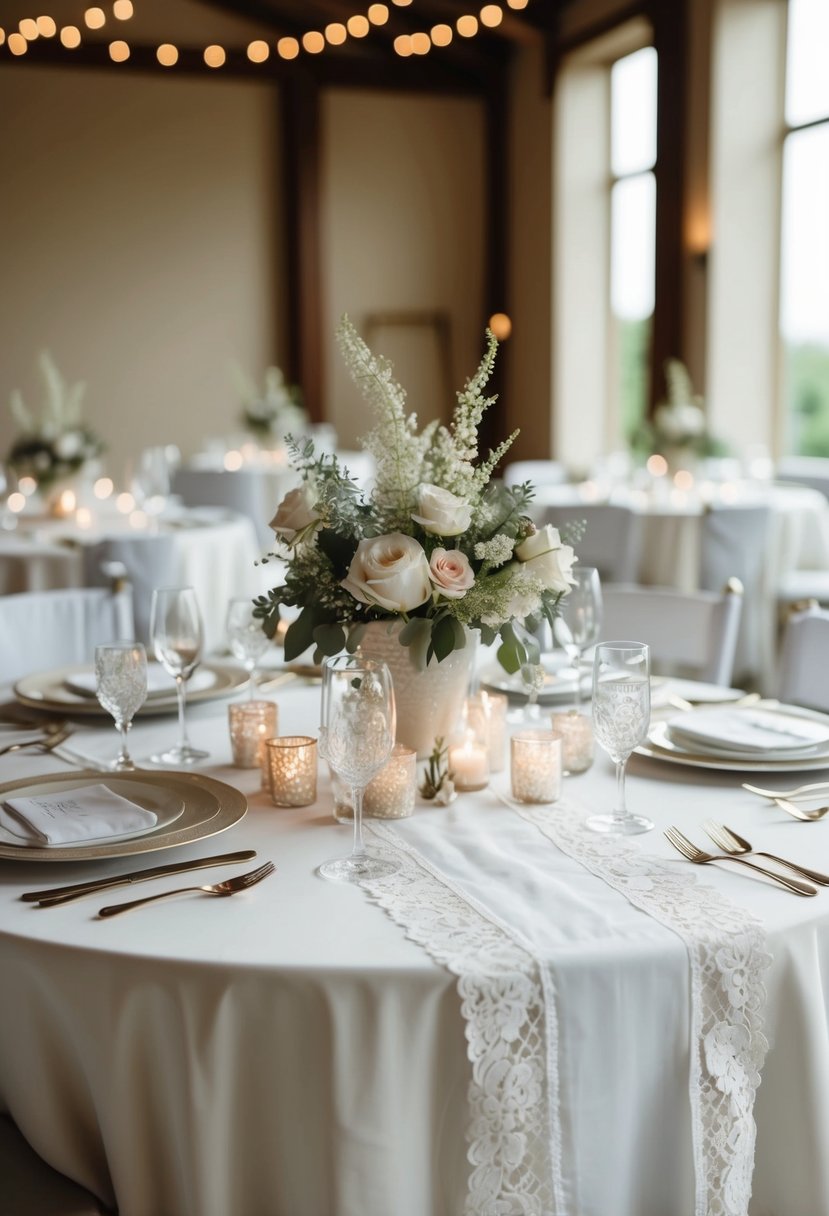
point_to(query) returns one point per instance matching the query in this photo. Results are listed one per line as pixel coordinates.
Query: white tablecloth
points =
(289, 1052)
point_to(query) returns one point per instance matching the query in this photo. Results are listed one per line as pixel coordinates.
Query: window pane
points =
(632, 237)
(807, 78)
(804, 295)
(633, 112)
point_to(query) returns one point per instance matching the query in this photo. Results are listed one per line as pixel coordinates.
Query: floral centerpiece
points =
(679, 428)
(438, 549)
(273, 411)
(57, 445)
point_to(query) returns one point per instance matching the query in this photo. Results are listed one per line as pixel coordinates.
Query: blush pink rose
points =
(451, 573)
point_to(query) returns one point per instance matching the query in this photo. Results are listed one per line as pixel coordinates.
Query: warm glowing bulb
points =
(358, 26)
(403, 45)
(683, 479)
(138, 520)
(125, 503)
(16, 502)
(67, 501)
(287, 48)
(258, 51)
(336, 33)
(214, 56)
(501, 325)
(517, 3)
(94, 18)
(313, 42)
(467, 26)
(233, 461)
(27, 485)
(378, 14)
(46, 27)
(492, 15)
(441, 35)
(83, 517)
(167, 54)
(2, 36)
(103, 487)
(122, 9)
(421, 44)
(70, 36)
(18, 44)
(28, 28)
(119, 52)
(402, 3)
(656, 465)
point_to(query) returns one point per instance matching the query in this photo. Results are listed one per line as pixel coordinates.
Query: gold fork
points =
(690, 851)
(806, 792)
(797, 812)
(728, 840)
(46, 744)
(229, 887)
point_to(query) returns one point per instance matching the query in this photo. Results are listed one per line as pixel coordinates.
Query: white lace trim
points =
(727, 951)
(510, 1029)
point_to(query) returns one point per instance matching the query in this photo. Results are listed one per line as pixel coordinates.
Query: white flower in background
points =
(548, 559)
(441, 513)
(294, 514)
(69, 445)
(390, 572)
(451, 572)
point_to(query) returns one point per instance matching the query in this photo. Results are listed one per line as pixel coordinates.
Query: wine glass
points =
(532, 672)
(621, 716)
(121, 688)
(176, 634)
(581, 618)
(248, 641)
(356, 738)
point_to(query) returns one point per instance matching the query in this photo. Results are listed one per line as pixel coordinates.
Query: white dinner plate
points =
(166, 804)
(49, 690)
(558, 688)
(159, 682)
(659, 746)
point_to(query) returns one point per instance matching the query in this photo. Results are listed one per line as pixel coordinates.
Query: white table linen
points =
(288, 1051)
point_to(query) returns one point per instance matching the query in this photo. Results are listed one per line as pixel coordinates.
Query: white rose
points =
(441, 513)
(545, 557)
(69, 445)
(389, 572)
(295, 512)
(451, 572)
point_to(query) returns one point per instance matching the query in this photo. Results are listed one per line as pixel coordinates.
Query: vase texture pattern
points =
(428, 702)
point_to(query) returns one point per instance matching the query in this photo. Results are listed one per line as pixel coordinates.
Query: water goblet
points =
(247, 640)
(580, 622)
(121, 688)
(356, 738)
(621, 715)
(176, 634)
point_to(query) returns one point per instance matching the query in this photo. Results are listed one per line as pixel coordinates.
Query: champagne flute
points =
(621, 716)
(581, 618)
(121, 688)
(176, 633)
(356, 738)
(248, 641)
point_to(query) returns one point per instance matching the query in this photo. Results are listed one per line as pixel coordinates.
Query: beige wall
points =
(139, 217)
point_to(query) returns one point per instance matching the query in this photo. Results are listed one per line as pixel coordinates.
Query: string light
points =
(28, 29)
(336, 33)
(288, 48)
(421, 44)
(122, 10)
(258, 51)
(441, 35)
(46, 27)
(358, 26)
(94, 18)
(492, 15)
(378, 14)
(214, 56)
(167, 55)
(467, 26)
(119, 51)
(2, 36)
(313, 42)
(70, 37)
(18, 44)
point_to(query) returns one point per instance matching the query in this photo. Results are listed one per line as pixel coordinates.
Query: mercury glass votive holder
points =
(389, 795)
(535, 766)
(251, 723)
(576, 733)
(292, 770)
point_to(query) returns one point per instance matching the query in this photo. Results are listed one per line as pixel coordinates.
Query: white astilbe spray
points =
(61, 408)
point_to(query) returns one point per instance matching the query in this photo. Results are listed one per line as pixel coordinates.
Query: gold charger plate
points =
(210, 807)
(47, 690)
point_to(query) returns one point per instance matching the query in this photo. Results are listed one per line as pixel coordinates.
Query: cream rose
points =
(451, 572)
(389, 572)
(294, 513)
(441, 513)
(545, 557)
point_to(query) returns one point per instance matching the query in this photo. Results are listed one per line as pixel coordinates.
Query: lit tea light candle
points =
(27, 485)
(292, 770)
(103, 488)
(251, 723)
(469, 763)
(391, 794)
(83, 518)
(494, 707)
(535, 767)
(233, 461)
(125, 503)
(16, 502)
(66, 503)
(576, 733)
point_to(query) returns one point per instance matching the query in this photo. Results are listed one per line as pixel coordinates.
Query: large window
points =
(804, 281)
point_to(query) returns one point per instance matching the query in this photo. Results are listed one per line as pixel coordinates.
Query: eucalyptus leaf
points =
(300, 634)
(330, 639)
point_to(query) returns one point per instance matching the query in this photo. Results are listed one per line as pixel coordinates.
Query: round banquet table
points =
(289, 1051)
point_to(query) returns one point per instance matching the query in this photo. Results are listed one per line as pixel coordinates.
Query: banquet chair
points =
(44, 629)
(30, 1187)
(612, 540)
(811, 471)
(692, 634)
(539, 472)
(802, 677)
(254, 493)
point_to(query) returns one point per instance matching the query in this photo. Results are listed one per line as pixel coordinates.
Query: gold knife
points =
(63, 895)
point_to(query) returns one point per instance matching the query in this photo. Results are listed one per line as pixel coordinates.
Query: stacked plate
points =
(756, 738)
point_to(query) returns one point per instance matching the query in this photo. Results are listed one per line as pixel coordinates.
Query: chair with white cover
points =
(253, 492)
(539, 472)
(812, 471)
(612, 540)
(45, 629)
(803, 659)
(692, 634)
(30, 1187)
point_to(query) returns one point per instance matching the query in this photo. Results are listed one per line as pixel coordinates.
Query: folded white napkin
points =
(747, 730)
(159, 682)
(88, 813)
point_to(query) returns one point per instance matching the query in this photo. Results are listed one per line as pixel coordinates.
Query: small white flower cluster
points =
(495, 551)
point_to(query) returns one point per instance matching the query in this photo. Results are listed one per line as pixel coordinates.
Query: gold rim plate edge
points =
(230, 680)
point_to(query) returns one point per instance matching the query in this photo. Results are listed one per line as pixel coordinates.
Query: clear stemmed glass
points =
(621, 715)
(248, 642)
(121, 688)
(581, 618)
(356, 738)
(176, 635)
(532, 671)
